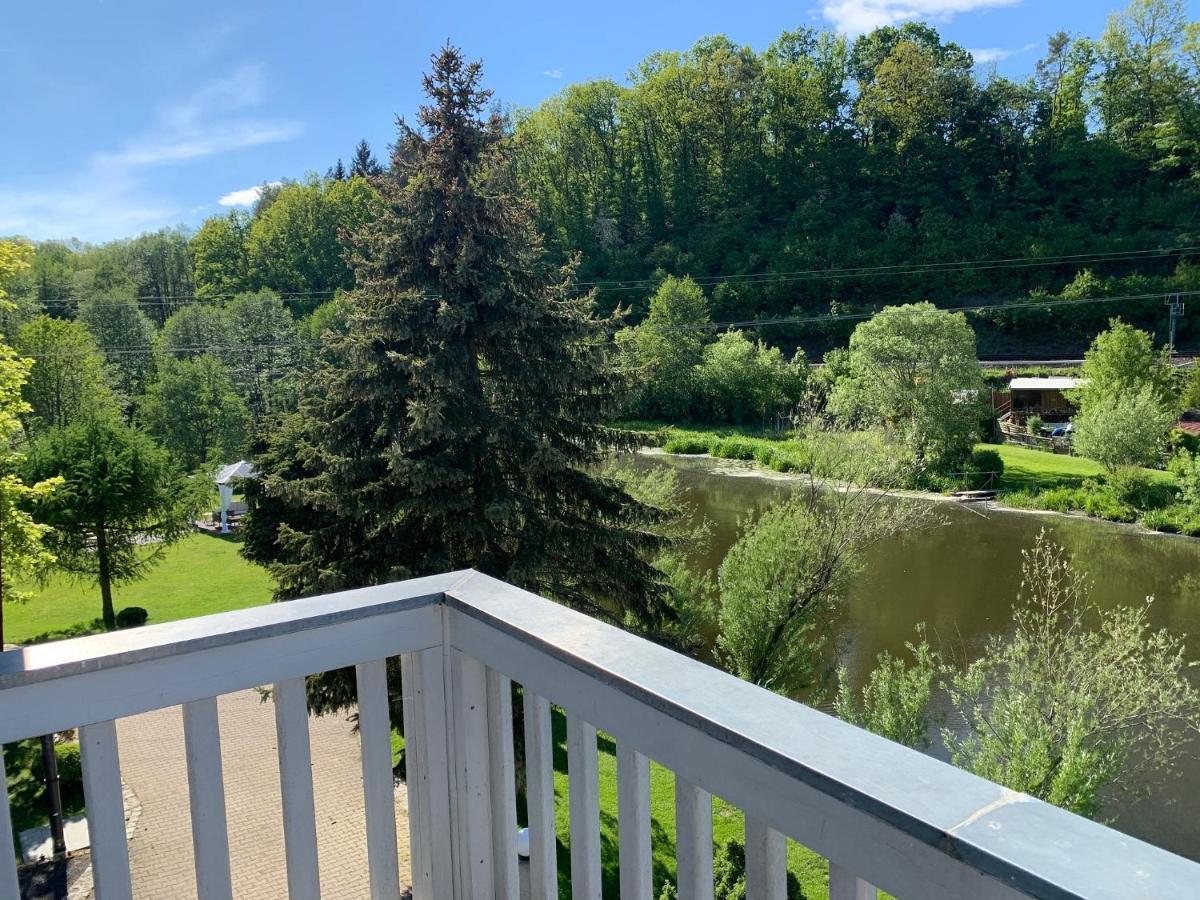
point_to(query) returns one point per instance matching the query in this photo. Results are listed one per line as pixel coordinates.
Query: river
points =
(961, 579)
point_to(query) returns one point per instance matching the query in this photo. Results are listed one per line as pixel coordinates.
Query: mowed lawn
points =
(1028, 469)
(201, 574)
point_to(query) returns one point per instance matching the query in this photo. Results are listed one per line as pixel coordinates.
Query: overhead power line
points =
(813, 274)
(903, 269)
(1049, 305)
(300, 343)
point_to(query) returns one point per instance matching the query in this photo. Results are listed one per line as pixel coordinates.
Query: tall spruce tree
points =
(364, 163)
(456, 423)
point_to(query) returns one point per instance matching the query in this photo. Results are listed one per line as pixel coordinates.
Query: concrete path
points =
(160, 846)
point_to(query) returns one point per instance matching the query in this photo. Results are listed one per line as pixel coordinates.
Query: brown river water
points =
(961, 580)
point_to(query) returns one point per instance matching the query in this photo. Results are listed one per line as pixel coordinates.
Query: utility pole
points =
(53, 795)
(1175, 308)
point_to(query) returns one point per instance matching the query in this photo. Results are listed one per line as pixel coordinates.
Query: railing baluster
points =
(434, 758)
(766, 862)
(296, 788)
(379, 792)
(416, 780)
(504, 789)
(105, 810)
(473, 789)
(8, 862)
(845, 885)
(584, 779)
(633, 811)
(539, 779)
(693, 840)
(206, 797)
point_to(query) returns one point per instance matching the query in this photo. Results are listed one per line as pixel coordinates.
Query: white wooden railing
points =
(882, 814)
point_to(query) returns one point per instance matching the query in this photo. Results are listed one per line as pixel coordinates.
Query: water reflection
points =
(961, 580)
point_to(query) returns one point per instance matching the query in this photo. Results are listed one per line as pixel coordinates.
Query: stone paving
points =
(160, 846)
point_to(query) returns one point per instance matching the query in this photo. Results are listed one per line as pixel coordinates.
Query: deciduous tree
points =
(120, 505)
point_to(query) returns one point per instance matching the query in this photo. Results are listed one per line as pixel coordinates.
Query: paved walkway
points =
(160, 845)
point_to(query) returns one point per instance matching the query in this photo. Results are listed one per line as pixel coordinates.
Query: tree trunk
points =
(110, 617)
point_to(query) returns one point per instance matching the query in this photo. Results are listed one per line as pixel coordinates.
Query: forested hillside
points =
(890, 150)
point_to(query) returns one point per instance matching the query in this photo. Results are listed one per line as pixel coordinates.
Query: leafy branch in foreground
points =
(1076, 700)
(785, 577)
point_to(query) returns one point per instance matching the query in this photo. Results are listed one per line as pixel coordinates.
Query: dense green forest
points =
(766, 175)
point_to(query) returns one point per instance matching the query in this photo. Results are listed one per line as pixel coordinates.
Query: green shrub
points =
(764, 455)
(687, 443)
(132, 617)
(1104, 505)
(734, 447)
(1136, 488)
(70, 775)
(791, 459)
(1163, 520)
(1034, 425)
(1176, 519)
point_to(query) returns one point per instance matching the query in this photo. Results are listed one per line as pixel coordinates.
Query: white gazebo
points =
(225, 479)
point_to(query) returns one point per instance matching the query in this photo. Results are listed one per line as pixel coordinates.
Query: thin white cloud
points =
(244, 197)
(985, 55)
(553, 73)
(110, 197)
(858, 16)
(203, 125)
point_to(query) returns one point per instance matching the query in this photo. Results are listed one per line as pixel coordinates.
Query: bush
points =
(132, 617)
(764, 455)
(734, 447)
(982, 469)
(70, 774)
(1135, 488)
(1177, 519)
(687, 443)
(1034, 425)
(791, 459)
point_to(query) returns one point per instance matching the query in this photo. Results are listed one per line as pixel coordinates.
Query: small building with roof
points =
(226, 479)
(1045, 397)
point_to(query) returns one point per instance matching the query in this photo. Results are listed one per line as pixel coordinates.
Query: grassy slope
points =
(202, 574)
(1028, 469)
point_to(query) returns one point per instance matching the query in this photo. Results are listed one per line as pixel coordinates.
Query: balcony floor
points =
(160, 845)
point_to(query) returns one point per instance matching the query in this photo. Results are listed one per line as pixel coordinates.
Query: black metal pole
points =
(53, 795)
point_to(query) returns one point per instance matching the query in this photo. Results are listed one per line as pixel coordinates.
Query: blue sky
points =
(129, 115)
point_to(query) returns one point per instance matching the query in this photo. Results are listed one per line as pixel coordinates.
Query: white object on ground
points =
(36, 843)
(523, 843)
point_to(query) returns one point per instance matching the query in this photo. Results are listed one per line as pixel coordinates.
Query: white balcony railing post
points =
(539, 781)
(105, 810)
(379, 805)
(504, 788)
(766, 862)
(633, 824)
(8, 862)
(693, 840)
(845, 885)
(471, 781)
(296, 789)
(429, 773)
(206, 797)
(584, 785)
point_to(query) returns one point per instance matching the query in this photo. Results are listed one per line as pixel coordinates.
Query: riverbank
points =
(1028, 480)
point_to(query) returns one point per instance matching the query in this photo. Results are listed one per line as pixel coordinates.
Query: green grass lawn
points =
(1027, 469)
(201, 574)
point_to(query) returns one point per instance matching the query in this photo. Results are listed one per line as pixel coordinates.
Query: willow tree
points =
(457, 421)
